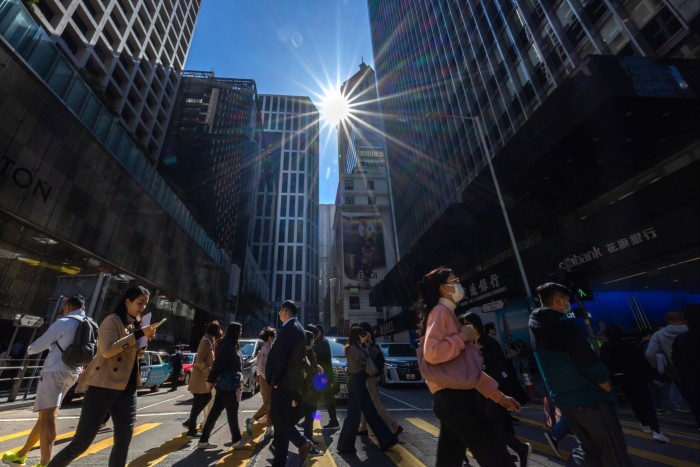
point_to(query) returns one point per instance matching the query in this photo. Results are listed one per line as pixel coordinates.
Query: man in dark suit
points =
(323, 353)
(285, 373)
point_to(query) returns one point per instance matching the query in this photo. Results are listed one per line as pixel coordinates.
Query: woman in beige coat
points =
(112, 379)
(203, 362)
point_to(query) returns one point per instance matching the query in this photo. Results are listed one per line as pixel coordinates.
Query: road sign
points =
(28, 321)
(492, 306)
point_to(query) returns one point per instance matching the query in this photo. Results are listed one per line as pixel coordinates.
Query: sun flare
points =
(334, 107)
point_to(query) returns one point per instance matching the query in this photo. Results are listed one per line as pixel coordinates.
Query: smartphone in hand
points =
(160, 322)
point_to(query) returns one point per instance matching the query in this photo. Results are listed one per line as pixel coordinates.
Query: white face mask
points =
(458, 294)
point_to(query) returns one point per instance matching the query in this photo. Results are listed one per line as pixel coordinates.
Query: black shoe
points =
(363, 433)
(398, 431)
(524, 454)
(186, 423)
(193, 435)
(332, 424)
(304, 452)
(315, 452)
(390, 444)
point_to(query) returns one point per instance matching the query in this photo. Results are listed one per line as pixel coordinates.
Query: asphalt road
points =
(158, 438)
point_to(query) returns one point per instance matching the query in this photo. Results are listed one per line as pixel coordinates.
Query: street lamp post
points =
(482, 141)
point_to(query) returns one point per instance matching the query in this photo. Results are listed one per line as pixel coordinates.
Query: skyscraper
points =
(578, 104)
(130, 51)
(285, 231)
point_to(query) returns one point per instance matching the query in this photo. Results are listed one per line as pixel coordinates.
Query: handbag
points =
(462, 372)
(371, 367)
(229, 380)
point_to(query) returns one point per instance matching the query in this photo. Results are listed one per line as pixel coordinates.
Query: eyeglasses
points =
(453, 281)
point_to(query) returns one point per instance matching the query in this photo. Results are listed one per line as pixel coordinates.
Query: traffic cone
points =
(529, 387)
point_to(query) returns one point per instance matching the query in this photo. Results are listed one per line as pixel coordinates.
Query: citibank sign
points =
(609, 248)
(24, 178)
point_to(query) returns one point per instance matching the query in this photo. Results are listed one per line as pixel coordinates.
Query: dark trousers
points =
(598, 430)
(175, 379)
(222, 400)
(501, 421)
(360, 402)
(464, 424)
(198, 403)
(639, 397)
(96, 404)
(284, 419)
(328, 397)
(309, 410)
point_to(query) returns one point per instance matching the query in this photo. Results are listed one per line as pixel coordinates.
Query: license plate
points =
(410, 376)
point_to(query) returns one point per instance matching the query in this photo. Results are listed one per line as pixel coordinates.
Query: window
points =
(349, 200)
(354, 302)
(349, 185)
(370, 184)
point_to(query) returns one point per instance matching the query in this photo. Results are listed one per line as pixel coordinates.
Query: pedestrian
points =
(225, 375)
(523, 357)
(56, 379)
(373, 386)
(203, 361)
(686, 355)
(659, 354)
(632, 375)
(176, 364)
(112, 378)
(496, 365)
(267, 335)
(576, 380)
(359, 399)
(310, 393)
(285, 373)
(445, 344)
(323, 354)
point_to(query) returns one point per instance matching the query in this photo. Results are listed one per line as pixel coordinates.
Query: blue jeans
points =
(560, 429)
(96, 404)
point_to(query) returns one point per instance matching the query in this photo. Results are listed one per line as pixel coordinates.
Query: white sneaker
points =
(206, 445)
(659, 438)
(241, 442)
(645, 428)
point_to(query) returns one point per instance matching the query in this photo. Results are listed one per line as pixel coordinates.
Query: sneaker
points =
(205, 445)
(645, 428)
(552, 444)
(659, 438)
(332, 424)
(240, 443)
(249, 426)
(524, 454)
(11, 458)
(315, 452)
(39, 465)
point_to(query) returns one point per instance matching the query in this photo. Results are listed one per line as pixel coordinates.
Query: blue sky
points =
(293, 47)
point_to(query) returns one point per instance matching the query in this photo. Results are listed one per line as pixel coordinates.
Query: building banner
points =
(364, 259)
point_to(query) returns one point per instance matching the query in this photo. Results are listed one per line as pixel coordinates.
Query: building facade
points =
(571, 100)
(82, 210)
(363, 224)
(130, 51)
(285, 235)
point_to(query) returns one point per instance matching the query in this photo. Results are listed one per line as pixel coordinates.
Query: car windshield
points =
(399, 350)
(188, 358)
(247, 348)
(338, 348)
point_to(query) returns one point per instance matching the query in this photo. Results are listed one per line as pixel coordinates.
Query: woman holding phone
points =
(112, 379)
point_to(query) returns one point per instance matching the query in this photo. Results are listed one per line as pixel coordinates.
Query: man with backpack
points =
(56, 379)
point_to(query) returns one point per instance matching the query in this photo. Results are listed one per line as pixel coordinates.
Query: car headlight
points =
(390, 365)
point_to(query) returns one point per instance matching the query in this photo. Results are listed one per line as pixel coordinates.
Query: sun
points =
(334, 107)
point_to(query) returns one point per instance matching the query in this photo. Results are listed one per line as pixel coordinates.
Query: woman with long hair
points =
(225, 375)
(267, 335)
(463, 422)
(359, 399)
(112, 378)
(203, 362)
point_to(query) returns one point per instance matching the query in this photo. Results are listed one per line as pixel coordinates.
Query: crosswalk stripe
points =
(666, 460)
(14, 435)
(104, 444)
(241, 456)
(157, 455)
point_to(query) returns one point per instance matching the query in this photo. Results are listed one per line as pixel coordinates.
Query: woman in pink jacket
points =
(463, 422)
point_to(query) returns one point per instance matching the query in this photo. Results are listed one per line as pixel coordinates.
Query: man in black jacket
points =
(323, 354)
(284, 372)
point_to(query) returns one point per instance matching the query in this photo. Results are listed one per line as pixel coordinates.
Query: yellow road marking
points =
(157, 455)
(104, 444)
(425, 426)
(60, 437)
(326, 459)
(660, 458)
(15, 435)
(666, 431)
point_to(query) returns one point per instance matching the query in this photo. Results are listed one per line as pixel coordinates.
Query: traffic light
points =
(578, 283)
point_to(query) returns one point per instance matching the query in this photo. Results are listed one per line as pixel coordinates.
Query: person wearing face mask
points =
(112, 378)
(576, 380)
(458, 398)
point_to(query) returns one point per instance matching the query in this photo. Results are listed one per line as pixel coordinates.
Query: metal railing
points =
(18, 376)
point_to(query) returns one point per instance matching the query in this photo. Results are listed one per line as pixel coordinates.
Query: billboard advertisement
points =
(364, 259)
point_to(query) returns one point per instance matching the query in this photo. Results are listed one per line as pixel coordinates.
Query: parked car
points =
(340, 366)
(249, 379)
(187, 364)
(155, 369)
(401, 364)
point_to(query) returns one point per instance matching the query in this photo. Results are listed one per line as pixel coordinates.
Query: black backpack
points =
(84, 346)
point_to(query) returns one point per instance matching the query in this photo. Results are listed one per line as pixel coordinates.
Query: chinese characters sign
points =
(611, 247)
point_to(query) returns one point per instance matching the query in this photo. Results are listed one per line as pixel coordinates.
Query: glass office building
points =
(579, 103)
